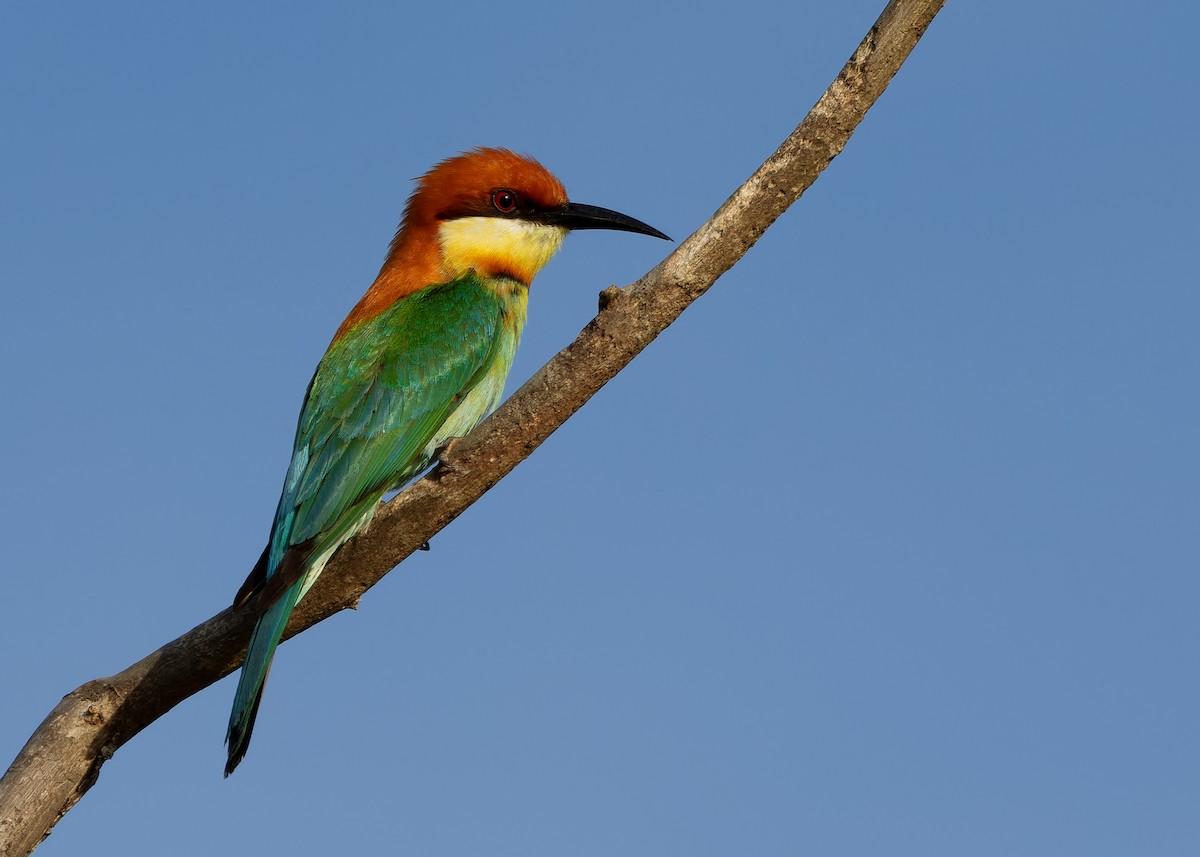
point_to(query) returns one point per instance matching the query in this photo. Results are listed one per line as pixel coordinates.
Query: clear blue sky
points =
(888, 546)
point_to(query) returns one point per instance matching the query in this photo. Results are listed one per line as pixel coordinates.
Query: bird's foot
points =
(442, 456)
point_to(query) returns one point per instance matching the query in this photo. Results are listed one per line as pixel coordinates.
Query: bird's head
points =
(501, 214)
(487, 210)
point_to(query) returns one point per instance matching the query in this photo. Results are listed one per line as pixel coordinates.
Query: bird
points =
(419, 361)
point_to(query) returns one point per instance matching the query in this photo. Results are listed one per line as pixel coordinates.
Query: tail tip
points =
(236, 754)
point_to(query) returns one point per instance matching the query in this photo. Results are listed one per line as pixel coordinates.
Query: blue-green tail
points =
(259, 653)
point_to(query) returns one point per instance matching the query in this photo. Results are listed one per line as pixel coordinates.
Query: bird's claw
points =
(441, 456)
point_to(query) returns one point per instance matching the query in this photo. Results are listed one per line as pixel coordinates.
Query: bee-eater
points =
(420, 360)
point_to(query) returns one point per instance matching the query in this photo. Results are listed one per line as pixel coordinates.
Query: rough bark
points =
(62, 759)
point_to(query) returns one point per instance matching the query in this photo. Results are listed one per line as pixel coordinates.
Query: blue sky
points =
(889, 545)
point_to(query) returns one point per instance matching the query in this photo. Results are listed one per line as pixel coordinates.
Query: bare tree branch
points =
(62, 759)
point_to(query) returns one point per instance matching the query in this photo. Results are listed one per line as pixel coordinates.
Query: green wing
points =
(377, 400)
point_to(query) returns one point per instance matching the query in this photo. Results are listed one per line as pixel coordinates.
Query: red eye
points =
(504, 200)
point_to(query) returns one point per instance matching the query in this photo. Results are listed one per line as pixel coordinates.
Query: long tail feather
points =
(259, 653)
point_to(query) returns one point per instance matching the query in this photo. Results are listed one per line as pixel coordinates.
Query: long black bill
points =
(576, 215)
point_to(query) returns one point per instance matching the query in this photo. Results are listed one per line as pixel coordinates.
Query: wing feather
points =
(377, 400)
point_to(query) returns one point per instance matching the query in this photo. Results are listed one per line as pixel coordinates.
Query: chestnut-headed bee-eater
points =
(420, 360)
